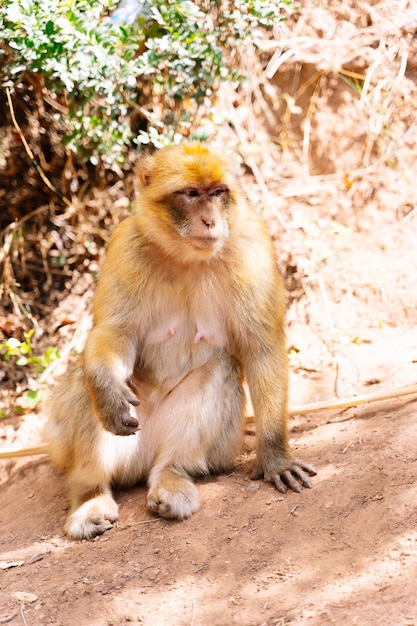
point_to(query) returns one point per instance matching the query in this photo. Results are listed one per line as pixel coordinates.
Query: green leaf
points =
(51, 354)
(27, 6)
(34, 397)
(49, 27)
(95, 68)
(12, 344)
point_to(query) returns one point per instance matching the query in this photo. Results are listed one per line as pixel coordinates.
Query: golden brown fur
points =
(189, 301)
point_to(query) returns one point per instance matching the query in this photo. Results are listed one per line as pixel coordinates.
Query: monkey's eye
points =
(192, 193)
(218, 192)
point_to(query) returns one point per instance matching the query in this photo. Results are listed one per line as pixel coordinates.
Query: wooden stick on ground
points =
(342, 403)
(32, 451)
(346, 403)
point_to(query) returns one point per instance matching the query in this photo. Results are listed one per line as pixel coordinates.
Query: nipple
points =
(199, 336)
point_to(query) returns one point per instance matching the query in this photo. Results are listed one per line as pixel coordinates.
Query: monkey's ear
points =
(143, 170)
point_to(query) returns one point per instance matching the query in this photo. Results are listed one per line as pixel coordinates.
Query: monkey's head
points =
(188, 199)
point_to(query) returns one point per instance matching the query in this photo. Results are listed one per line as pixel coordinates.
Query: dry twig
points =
(347, 403)
(30, 154)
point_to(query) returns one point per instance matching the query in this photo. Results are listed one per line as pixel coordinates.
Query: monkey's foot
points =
(92, 518)
(173, 496)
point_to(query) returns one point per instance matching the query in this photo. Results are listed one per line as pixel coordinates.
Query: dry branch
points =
(342, 403)
(30, 153)
(346, 403)
(32, 451)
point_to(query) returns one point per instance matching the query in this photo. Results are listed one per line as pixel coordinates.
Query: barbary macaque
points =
(189, 302)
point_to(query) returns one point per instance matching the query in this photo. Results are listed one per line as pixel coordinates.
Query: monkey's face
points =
(200, 215)
(189, 197)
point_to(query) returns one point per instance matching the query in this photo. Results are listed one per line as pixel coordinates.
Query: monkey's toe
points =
(174, 504)
(92, 518)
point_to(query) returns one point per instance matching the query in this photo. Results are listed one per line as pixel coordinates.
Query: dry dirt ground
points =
(345, 552)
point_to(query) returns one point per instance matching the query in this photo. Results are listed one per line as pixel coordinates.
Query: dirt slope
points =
(342, 553)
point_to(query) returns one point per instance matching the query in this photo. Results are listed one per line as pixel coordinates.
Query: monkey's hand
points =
(113, 405)
(293, 474)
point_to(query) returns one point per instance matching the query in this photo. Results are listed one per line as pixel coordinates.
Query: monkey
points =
(188, 305)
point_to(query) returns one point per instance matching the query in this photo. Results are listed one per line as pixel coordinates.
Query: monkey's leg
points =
(198, 427)
(106, 460)
(90, 457)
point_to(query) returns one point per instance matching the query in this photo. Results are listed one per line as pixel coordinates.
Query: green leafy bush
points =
(22, 352)
(107, 82)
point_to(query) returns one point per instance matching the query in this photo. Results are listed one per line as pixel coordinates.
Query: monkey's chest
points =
(176, 343)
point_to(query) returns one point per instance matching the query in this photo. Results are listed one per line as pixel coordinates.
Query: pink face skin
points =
(199, 214)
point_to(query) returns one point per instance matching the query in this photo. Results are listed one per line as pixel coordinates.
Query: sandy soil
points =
(345, 552)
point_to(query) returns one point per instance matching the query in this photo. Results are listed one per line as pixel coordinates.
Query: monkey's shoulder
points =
(126, 239)
(253, 255)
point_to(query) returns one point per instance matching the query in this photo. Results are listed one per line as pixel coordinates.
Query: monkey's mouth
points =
(205, 243)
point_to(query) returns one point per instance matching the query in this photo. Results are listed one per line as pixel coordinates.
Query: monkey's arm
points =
(266, 367)
(111, 348)
(266, 371)
(261, 337)
(109, 359)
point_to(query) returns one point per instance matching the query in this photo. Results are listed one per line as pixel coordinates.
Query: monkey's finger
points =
(306, 467)
(125, 430)
(280, 486)
(291, 481)
(132, 399)
(302, 477)
(128, 424)
(130, 419)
